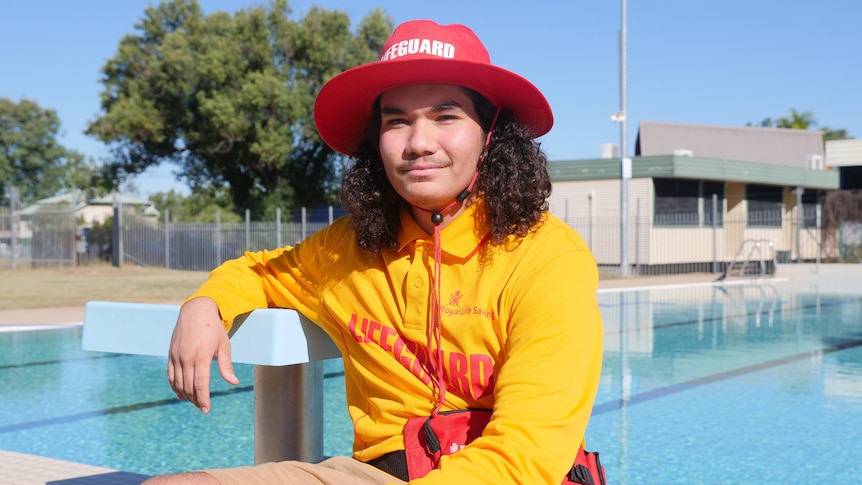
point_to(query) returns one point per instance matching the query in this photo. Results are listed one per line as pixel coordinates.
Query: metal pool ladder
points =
(755, 249)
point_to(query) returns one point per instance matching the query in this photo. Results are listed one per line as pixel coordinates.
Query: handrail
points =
(286, 349)
(756, 247)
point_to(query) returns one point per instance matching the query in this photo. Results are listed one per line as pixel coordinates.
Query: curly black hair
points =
(513, 181)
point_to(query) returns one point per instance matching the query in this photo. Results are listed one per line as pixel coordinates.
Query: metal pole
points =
(278, 227)
(248, 229)
(819, 239)
(714, 233)
(167, 238)
(117, 246)
(625, 161)
(304, 223)
(218, 238)
(800, 219)
(591, 197)
(13, 222)
(638, 237)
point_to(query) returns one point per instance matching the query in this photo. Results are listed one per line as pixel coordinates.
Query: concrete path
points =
(42, 316)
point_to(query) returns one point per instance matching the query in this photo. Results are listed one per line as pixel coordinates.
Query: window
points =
(680, 202)
(676, 202)
(809, 208)
(764, 205)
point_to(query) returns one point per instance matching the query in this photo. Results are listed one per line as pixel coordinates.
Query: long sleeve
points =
(290, 277)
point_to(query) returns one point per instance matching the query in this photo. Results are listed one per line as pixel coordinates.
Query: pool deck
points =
(22, 469)
(75, 315)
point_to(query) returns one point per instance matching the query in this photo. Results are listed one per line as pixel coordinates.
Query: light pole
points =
(625, 161)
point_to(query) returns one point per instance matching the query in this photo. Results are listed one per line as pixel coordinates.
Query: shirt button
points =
(418, 282)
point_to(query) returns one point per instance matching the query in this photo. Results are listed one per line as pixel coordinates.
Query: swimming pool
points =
(737, 383)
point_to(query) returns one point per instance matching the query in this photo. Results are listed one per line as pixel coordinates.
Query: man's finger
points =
(225, 364)
(196, 380)
(174, 386)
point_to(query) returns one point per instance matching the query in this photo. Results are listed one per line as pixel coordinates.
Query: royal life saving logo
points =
(419, 46)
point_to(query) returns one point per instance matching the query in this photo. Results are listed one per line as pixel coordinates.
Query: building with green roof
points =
(767, 183)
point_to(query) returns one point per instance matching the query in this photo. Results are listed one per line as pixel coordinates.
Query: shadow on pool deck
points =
(23, 469)
(111, 478)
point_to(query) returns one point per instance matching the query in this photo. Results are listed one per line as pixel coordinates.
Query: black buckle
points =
(581, 474)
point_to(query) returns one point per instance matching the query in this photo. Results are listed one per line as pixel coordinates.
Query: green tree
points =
(200, 206)
(797, 121)
(31, 158)
(82, 175)
(802, 121)
(830, 134)
(229, 99)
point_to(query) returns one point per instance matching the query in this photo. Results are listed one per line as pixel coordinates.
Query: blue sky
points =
(706, 62)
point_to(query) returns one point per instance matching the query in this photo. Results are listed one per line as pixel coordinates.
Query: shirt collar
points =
(460, 238)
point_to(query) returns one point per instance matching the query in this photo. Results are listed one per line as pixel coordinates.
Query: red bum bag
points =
(426, 440)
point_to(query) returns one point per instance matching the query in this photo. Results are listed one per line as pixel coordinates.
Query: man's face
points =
(430, 142)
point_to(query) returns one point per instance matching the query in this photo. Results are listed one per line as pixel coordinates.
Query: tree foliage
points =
(803, 121)
(200, 206)
(31, 158)
(796, 121)
(229, 99)
(839, 208)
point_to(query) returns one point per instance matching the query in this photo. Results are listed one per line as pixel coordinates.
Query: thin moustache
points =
(424, 165)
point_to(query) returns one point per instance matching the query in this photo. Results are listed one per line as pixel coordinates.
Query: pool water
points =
(731, 384)
(117, 411)
(736, 383)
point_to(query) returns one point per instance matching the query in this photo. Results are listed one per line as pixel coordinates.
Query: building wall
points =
(735, 209)
(95, 213)
(593, 208)
(843, 153)
(775, 146)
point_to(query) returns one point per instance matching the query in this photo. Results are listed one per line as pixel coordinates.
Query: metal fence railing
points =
(46, 237)
(675, 247)
(664, 246)
(193, 246)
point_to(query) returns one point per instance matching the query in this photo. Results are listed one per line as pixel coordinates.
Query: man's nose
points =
(422, 138)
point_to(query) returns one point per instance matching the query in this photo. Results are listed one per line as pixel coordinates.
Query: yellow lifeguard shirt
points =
(521, 335)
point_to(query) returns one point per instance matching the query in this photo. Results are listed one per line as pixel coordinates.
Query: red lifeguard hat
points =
(423, 52)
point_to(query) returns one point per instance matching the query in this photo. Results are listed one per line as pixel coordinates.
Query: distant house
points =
(767, 184)
(89, 211)
(845, 156)
(56, 230)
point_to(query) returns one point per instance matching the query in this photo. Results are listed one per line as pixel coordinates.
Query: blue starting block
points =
(286, 349)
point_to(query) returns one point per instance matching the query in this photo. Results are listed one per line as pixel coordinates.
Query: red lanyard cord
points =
(435, 327)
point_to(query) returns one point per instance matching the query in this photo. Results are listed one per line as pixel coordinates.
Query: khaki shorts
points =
(339, 470)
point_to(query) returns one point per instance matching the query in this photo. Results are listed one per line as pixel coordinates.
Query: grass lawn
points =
(22, 288)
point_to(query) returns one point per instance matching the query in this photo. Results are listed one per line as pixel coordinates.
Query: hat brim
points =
(343, 107)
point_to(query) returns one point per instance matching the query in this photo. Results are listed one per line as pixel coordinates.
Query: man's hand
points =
(198, 338)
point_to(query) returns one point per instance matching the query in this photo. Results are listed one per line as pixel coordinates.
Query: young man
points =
(449, 287)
